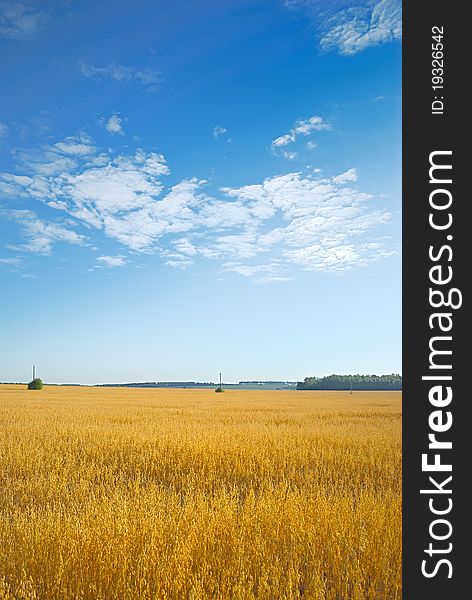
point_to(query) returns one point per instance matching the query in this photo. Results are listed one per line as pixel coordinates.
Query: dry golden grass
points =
(187, 494)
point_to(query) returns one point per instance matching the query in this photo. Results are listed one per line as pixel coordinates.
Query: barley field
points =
(133, 494)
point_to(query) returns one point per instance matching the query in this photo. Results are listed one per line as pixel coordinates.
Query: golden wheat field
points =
(115, 493)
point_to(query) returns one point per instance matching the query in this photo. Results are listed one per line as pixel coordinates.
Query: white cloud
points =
(114, 125)
(346, 177)
(262, 273)
(326, 222)
(185, 247)
(302, 127)
(288, 221)
(350, 28)
(147, 78)
(283, 140)
(52, 160)
(358, 30)
(249, 270)
(41, 235)
(3, 130)
(11, 262)
(112, 261)
(76, 145)
(179, 263)
(218, 130)
(312, 124)
(19, 21)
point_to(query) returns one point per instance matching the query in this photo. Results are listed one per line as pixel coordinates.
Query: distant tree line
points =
(267, 385)
(259, 382)
(357, 382)
(160, 384)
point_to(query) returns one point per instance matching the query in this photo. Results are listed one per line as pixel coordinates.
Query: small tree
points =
(36, 384)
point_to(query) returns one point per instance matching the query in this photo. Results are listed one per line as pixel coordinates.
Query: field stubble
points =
(115, 493)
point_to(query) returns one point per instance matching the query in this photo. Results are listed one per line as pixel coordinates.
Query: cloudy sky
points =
(188, 188)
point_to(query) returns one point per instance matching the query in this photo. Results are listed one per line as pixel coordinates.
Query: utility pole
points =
(219, 388)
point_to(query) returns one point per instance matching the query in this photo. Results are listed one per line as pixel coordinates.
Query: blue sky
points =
(188, 188)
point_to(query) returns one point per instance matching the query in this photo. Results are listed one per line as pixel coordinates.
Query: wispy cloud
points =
(263, 273)
(361, 28)
(40, 235)
(43, 162)
(327, 222)
(147, 78)
(263, 230)
(218, 131)
(11, 262)
(348, 176)
(302, 127)
(112, 261)
(18, 20)
(114, 125)
(80, 145)
(3, 130)
(350, 28)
